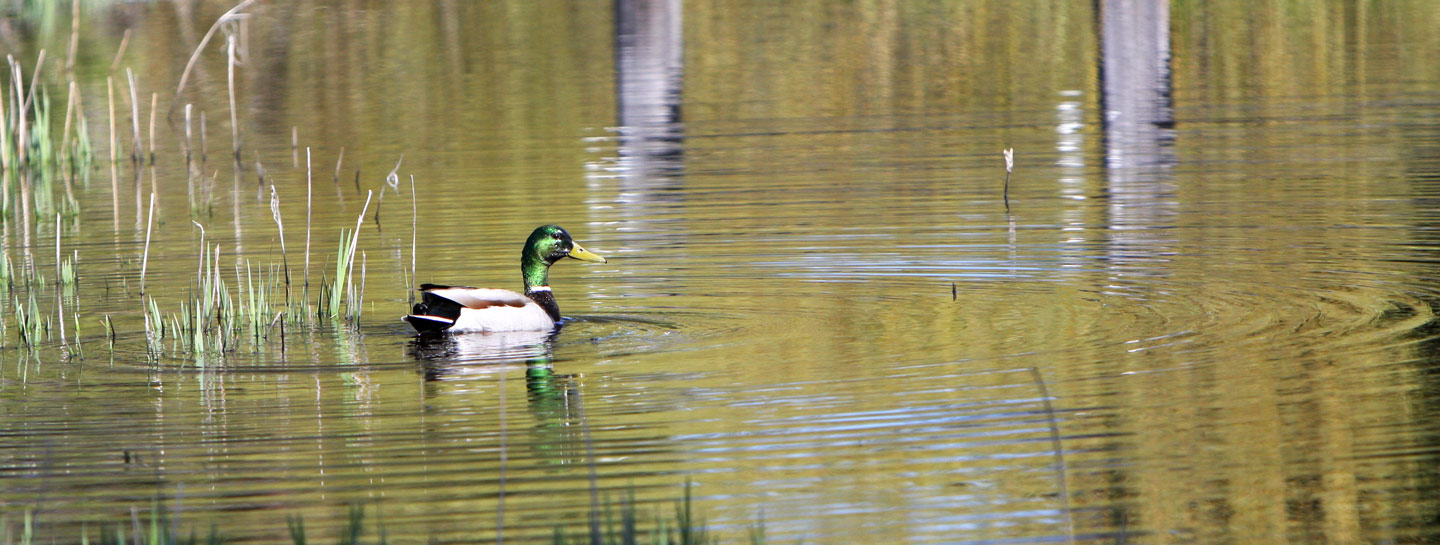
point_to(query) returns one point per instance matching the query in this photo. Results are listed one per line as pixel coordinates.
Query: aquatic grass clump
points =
(212, 321)
(685, 528)
(339, 298)
(32, 154)
(614, 524)
(33, 327)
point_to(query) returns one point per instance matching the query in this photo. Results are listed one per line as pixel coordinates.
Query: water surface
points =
(1213, 325)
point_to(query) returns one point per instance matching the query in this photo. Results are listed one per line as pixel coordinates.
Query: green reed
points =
(339, 297)
(619, 524)
(32, 154)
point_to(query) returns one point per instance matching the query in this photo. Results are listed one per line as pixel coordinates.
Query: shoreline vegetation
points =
(617, 522)
(232, 303)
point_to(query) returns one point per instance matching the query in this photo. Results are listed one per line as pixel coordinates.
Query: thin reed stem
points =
(154, 101)
(308, 188)
(230, 78)
(69, 111)
(145, 259)
(414, 228)
(195, 56)
(135, 148)
(120, 53)
(59, 279)
(114, 176)
(275, 212)
(74, 36)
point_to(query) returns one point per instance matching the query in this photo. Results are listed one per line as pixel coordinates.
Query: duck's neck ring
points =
(542, 296)
(536, 271)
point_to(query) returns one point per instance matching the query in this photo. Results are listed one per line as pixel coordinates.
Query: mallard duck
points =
(462, 309)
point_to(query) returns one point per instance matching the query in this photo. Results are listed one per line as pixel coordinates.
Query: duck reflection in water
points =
(449, 362)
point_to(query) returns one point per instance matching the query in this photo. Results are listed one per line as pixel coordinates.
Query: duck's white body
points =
(487, 310)
(459, 309)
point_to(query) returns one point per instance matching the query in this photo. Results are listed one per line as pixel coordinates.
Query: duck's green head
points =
(546, 245)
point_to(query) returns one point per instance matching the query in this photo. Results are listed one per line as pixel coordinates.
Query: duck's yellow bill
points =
(579, 252)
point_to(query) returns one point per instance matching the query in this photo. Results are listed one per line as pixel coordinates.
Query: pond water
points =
(1204, 311)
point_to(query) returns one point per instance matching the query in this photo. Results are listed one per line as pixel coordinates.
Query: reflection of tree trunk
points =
(649, 61)
(649, 70)
(1139, 121)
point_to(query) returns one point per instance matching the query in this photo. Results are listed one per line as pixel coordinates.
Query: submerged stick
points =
(1060, 477)
(338, 161)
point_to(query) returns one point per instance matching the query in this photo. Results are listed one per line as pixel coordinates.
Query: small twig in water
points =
(1009, 166)
(338, 161)
(393, 181)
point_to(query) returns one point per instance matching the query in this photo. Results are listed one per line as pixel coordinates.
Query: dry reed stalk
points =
(189, 171)
(279, 224)
(35, 78)
(338, 161)
(308, 186)
(135, 146)
(119, 53)
(1009, 165)
(145, 258)
(21, 108)
(259, 168)
(74, 36)
(195, 56)
(154, 101)
(114, 176)
(4, 125)
(69, 115)
(414, 227)
(230, 78)
(204, 144)
(59, 280)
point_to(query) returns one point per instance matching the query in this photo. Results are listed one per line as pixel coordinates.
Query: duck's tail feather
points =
(433, 314)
